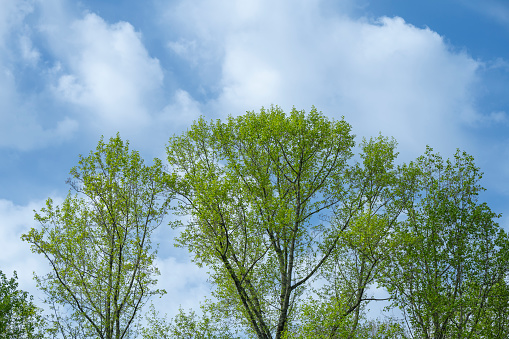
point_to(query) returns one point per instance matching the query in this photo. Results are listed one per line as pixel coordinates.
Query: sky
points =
(424, 72)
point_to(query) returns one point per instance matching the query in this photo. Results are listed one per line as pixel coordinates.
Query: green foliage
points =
(336, 308)
(292, 230)
(98, 243)
(185, 326)
(449, 255)
(252, 188)
(388, 328)
(272, 203)
(495, 320)
(19, 317)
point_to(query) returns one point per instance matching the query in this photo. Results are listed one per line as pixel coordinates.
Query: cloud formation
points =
(108, 72)
(15, 254)
(20, 125)
(383, 75)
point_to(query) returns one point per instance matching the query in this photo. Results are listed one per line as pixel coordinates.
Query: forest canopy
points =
(296, 225)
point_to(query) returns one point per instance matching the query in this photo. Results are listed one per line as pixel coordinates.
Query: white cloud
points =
(500, 64)
(19, 126)
(181, 110)
(98, 72)
(496, 117)
(11, 16)
(15, 254)
(386, 76)
(28, 52)
(186, 49)
(20, 120)
(185, 283)
(108, 72)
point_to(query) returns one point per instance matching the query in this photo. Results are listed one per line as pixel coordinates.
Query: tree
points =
(336, 309)
(449, 258)
(98, 242)
(256, 191)
(19, 317)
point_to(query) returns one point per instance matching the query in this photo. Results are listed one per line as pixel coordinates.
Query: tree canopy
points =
(295, 224)
(448, 255)
(269, 198)
(98, 242)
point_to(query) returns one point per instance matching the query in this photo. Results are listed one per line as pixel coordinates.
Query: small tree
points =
(98, 243)
(19, 317)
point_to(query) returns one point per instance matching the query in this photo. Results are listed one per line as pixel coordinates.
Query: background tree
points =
(19, 317)
(449, 255)
(336, 310)
(98, 242)
(256, 190)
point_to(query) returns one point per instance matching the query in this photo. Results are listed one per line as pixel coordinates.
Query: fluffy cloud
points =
(65, 73)
(20, 127)
(28, 52)
(108, 72)
(15, 254)
(383, 75)
(12, 15)
(181, 111)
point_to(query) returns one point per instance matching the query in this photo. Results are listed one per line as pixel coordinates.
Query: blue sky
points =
(426, 72)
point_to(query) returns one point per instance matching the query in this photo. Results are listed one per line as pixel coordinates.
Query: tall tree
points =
(19, 317)
(256, 191)
(449, 257)
(98, 242)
